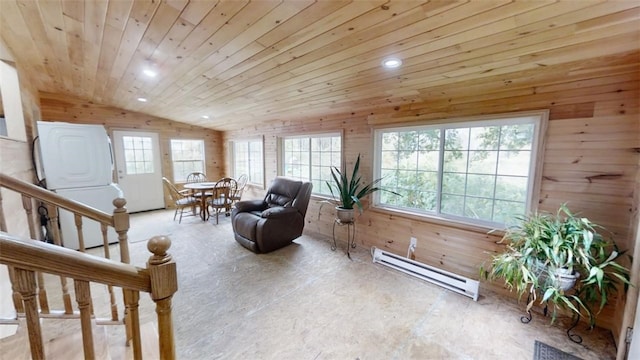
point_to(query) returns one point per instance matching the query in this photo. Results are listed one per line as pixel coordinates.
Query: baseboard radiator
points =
(447, 280)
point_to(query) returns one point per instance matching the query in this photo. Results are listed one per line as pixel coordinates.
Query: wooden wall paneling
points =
(491, 53)
(115, 23)
(590, 162)
(95, 13)
(63, 108)
(53, 19)
(139, 19)
(36, 31)
(203, 41)
(142, 58)
(313, 34)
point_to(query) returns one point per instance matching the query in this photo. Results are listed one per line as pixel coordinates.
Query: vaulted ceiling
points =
(240, 62)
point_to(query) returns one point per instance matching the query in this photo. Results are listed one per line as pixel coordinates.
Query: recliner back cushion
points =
(282, 192)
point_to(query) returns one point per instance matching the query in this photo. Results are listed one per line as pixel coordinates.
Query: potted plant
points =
(561, 259)
(350, 190)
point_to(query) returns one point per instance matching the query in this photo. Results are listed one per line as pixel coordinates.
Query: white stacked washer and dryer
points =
(77, 161)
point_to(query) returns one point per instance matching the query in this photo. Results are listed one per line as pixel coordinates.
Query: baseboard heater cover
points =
(447, 280)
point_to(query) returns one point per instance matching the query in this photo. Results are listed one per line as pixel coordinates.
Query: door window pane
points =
(138, 155)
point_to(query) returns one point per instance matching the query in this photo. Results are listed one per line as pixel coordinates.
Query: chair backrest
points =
(228, 186)
(242, 181)
(174, 194)
(196, 177)
(289, 193)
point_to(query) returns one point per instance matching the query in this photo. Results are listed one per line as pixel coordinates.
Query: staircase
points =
(67, 343)
(86, 289)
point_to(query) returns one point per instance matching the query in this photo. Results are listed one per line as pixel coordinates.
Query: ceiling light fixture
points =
(391, 63)
(150, 72)
(141, 99)
(149, 68)
(205, 116)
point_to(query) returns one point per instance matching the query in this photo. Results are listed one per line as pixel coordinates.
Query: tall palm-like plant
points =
(349, 191)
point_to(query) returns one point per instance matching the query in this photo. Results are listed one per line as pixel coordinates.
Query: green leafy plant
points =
(350, 190)
(544, 248)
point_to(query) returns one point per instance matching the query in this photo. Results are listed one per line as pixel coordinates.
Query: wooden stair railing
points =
(159, 279)
(119, 221)
(52, 202)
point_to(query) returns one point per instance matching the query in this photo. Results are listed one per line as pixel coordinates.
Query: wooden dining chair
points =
(180, 200)
(220, 200)
(236, 194)
(197, 177)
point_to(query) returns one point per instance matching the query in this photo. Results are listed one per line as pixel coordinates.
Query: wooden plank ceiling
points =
(241, 62)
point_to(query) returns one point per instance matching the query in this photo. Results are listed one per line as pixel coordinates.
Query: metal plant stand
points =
(572, 336)
(351, 235)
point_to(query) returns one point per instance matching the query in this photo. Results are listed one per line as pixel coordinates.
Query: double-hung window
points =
(187, 156)
(310, 158)
(248, 159)
(481, 172)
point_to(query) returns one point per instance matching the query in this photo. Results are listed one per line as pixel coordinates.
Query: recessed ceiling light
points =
(391, 63)
(141, 99)
(205, 116)
(150, 72)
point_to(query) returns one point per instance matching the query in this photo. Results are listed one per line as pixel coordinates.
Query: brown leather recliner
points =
(266, 225)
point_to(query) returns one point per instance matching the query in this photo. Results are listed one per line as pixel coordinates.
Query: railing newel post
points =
(164, 283)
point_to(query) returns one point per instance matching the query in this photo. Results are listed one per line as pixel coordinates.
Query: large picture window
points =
(480, 172)
(187, 156)
(310, 158)
(248, 160)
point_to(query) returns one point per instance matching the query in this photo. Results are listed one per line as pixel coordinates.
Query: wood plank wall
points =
(590, 161)
(56, 107)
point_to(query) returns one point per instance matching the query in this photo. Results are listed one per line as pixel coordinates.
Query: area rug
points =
(542, 351)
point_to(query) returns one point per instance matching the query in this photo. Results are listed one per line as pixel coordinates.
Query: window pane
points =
(187, 156)
(138, 154)
(514, 162)
(311, 159)
(452, 205)
(477, 170)
(478, 208)
(483, 162)
(247, 160)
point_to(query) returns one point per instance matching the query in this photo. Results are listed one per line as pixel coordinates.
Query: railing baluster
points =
(107, 255)
(53, 223)
(26, 284)
(27, 204)
(83, 297)
(164, 283)
(78, 220)
(131, 298)
(17, 298)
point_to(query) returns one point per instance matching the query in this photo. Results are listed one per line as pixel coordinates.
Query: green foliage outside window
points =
(461, 170)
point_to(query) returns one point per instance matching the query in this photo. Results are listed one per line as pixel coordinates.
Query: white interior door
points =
(139, 170)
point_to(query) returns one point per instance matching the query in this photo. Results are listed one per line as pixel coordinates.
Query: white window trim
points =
(309, 136)
(232, 152)
(534, 181)
(204, 157)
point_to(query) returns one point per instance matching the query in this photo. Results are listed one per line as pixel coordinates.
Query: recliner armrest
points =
(278, 212)
(250, 205)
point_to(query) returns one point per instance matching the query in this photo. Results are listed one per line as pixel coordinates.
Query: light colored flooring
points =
(307, 302)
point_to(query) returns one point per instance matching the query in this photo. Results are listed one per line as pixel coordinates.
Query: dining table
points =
(202, 187)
